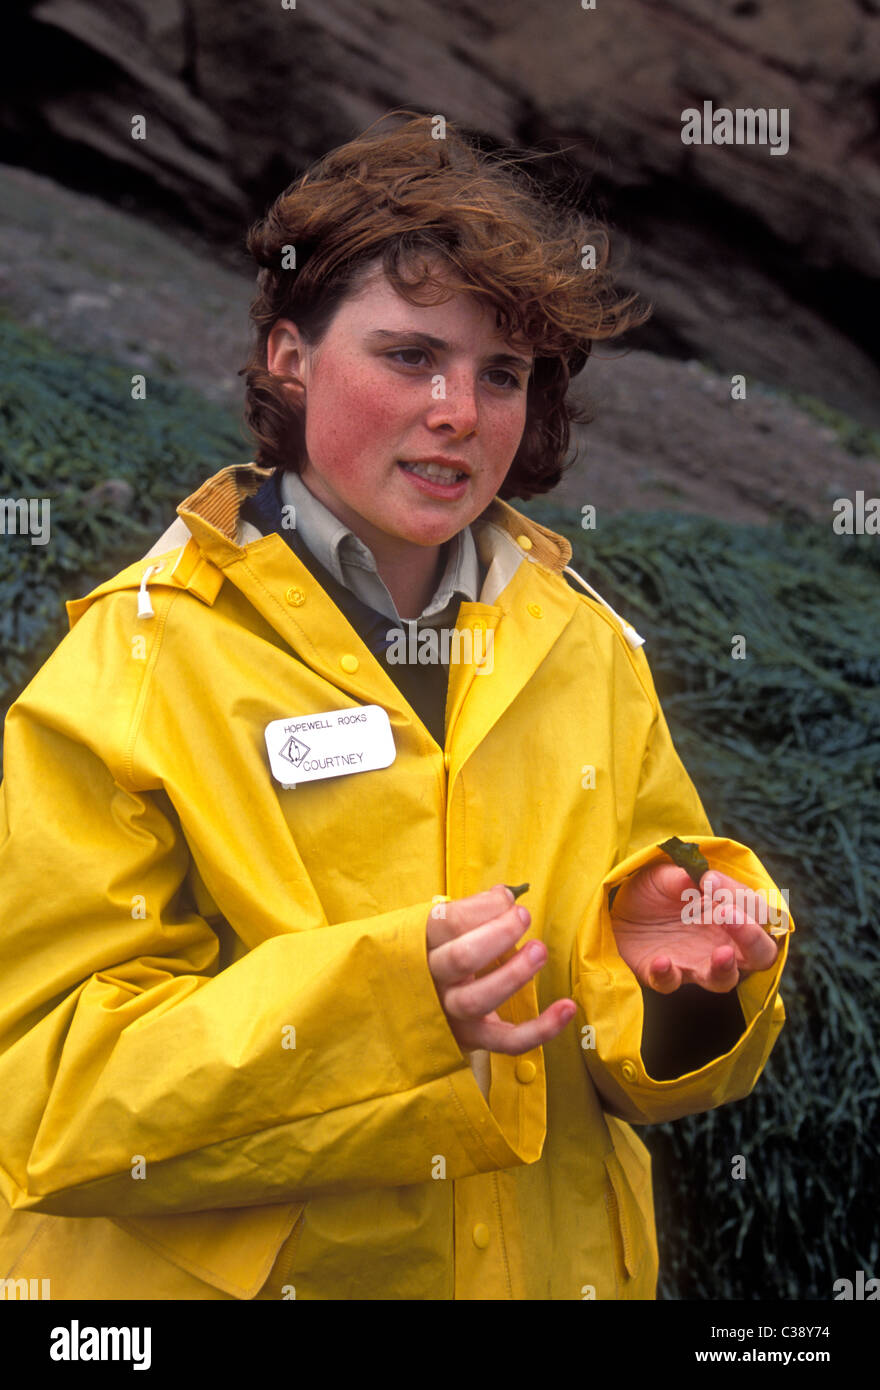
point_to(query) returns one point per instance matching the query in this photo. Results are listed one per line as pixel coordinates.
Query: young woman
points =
(271, 1023)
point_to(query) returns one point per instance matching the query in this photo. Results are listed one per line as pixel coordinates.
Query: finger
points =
(467, 954)
(723, 973)
(662, 975)
(670, 879)
(756, 909)
(663, 883)
(479, 997)
(447, 920)
(756, 948)
(513, 1039)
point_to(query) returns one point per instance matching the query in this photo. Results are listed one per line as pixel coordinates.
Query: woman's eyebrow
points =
(428, 340)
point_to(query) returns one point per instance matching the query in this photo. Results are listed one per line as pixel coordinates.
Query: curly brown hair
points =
(392, 192)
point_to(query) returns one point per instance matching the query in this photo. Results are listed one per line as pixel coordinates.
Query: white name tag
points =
(308, 747)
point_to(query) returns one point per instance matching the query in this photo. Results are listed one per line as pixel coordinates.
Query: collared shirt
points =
(351, 562)
(324, 544)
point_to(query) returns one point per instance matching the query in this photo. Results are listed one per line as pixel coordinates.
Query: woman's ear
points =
(285, 350)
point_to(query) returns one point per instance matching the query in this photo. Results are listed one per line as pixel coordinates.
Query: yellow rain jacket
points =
(224, 1068)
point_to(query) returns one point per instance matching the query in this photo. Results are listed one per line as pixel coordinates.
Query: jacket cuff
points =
(508, 1130)
(609, 999)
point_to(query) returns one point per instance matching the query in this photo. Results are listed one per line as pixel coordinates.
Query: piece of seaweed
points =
(686, 855)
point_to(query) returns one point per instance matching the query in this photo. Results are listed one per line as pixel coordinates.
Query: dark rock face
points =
(764, 264)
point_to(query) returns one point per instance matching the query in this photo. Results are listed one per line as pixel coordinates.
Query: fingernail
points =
(535, 951)
(524, 915)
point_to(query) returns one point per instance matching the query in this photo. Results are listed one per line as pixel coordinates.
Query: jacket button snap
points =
(478, 623)
(525, 1071)
(296, 597)
(524, 542)
(536, 610)
(481, 1236)
(629, 1072)
(349, 662)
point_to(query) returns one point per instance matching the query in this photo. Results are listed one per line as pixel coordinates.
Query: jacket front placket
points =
(525, 621)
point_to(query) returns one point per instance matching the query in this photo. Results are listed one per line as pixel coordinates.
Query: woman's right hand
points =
(464, 936)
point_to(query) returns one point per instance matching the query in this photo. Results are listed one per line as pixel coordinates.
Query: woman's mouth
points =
(435, 478)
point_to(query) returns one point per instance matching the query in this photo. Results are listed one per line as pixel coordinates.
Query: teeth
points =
(434, 472)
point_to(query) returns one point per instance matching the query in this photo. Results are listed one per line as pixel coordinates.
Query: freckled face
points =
(370, 390)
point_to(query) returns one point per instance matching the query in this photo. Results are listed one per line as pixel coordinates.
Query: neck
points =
(410, 572)
(412, 580)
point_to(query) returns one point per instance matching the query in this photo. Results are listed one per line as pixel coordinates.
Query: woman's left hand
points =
(665, 948)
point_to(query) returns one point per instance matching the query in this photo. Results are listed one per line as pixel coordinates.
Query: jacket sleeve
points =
(607, 992)
(138, 1076)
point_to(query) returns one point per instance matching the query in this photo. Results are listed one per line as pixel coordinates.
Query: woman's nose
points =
(455, 406)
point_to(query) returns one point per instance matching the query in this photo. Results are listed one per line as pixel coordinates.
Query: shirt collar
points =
(335, 545)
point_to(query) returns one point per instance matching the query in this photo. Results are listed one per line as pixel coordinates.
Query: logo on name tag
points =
(332, 743)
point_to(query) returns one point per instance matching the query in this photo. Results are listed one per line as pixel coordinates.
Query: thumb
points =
(654, 892)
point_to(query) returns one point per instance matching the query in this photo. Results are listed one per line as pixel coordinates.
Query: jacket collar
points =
(212, 516)
(209, 536)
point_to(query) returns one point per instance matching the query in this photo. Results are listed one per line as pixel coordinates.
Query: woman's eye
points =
(401, 352)
(512, 382)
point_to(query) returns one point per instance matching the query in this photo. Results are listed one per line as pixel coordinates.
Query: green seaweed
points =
(686, 855)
